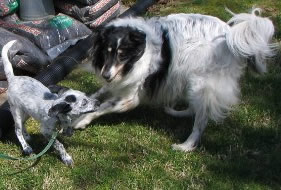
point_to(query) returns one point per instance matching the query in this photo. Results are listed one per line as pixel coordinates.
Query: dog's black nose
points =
(106, 75)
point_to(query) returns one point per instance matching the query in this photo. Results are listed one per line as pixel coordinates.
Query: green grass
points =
(132, 150)
(128, 2)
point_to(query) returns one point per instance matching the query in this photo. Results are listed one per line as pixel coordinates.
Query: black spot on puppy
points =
(61, 108)
(70, 98)
(57, 89)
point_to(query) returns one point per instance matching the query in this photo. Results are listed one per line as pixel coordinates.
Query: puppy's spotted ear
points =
(61, 108)
(137, 36)
(58, 89)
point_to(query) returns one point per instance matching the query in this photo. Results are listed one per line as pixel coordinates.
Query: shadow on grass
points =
(253, 144)
(154, 118)
(246, 155)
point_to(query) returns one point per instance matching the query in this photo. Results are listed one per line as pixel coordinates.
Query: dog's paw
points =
(81, 125)
(27, 151)
(67, 160)
(185, 147)
(83, 121)
(67, 131)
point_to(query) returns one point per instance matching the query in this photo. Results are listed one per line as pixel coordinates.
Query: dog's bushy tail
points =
(6, 62)
(250, 37)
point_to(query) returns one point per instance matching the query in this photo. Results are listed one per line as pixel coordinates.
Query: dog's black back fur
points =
(153, 81)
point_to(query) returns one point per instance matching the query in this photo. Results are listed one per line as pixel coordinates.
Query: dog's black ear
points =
(97, 42)
(98, 33)
(104, 32)
(137, 36)
(96, 51)
(58, 89)
(60, 108)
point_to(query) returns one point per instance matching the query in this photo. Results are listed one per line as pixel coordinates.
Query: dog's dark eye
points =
(122, 54)
(84, 102)
(70, 98)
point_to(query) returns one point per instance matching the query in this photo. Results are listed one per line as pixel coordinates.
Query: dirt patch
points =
(155, 9)
(3, 94)
(3, 98)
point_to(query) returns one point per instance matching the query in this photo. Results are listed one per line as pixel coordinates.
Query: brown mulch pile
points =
(160, 4)
(3, 90)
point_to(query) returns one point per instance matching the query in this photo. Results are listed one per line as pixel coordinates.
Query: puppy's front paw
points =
(27, 150)
(67, 160)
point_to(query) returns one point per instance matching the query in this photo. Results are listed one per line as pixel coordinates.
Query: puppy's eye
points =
(84, 102)
(70, 98)
(119, 51)
(109, 49)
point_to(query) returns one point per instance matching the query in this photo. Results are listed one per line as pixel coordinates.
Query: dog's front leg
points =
(109, 106)
(65, 157)
(100, 93)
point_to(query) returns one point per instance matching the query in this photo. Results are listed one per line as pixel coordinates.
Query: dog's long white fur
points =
(208, 59)
(249, 36)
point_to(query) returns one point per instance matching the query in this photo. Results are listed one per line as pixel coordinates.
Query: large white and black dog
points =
(194, 58)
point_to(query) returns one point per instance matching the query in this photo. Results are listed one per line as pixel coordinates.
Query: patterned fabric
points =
(112, 12)
(99, 13)
(49, 33)
(8, 6)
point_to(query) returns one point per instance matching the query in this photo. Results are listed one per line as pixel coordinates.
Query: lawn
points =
(133, 150)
